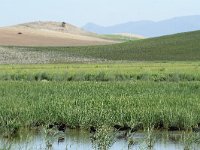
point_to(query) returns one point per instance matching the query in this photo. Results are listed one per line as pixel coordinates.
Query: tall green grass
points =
(85, 104)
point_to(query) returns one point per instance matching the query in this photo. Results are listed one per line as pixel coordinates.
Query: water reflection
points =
(82, 140)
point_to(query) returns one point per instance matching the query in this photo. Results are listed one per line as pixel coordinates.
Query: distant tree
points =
(63, 24)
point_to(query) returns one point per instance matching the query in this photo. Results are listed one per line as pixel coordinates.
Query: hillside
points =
(48, 34)
(55, 26)
(178, 47)
(121, 37)
(149, 28)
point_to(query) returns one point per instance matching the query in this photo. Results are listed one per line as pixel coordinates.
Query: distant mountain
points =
(150, 28)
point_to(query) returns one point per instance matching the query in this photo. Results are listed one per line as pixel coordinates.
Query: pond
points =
(40, 139)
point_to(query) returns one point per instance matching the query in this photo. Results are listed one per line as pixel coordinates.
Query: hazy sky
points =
(103, 12)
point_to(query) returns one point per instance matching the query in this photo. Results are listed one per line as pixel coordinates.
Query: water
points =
(82, 140)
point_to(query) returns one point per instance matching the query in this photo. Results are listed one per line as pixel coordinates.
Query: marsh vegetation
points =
(104, 90)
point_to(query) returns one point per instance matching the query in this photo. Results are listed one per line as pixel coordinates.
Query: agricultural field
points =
(113, 71)
(86, 104)
(178, 47)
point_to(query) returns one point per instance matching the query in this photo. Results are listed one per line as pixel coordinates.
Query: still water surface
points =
(81, 140)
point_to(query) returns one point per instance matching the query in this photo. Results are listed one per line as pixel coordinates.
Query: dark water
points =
(82, 140)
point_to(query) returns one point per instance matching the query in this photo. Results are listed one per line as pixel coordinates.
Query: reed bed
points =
(162, 105)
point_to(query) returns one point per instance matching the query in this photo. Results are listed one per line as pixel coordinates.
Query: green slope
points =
(118, 37)
(178, 47)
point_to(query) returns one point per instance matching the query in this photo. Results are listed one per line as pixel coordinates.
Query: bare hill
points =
(55, 26)
(48, 34)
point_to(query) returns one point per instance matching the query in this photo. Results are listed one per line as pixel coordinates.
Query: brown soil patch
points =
(48, 34)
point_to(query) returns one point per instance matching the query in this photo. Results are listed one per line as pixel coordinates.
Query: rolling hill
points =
(178, 47)
(150, 28)
(49, 34)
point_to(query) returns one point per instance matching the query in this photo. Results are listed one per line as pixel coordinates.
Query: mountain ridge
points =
(150, 28)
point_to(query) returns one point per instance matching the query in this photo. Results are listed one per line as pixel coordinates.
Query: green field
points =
(116, 37)
(86, 104)
(146, 83)
(178, 47)
(148, 71)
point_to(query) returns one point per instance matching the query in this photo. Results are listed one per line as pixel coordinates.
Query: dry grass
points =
(48, 34)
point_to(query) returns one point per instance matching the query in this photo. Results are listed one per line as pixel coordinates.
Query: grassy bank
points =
(85, 104)
(142, 71)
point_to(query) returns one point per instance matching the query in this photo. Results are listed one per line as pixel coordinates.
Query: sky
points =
(102, 12)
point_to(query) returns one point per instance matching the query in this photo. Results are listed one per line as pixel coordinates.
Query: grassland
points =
(164, 95)
(85, 104)
(179, 47)
(118, 37)
(138, 71)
